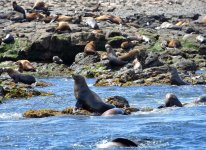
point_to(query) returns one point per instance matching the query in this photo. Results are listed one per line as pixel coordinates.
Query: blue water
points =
(172, 128)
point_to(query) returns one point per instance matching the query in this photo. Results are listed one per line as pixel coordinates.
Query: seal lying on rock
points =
(18, 77)
(118, 142)
(86, 98)
(25, 65)
(113, 59)
(90, 48)
(171, 100)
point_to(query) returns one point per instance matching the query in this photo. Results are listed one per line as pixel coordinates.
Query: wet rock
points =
(202, 50)
(152, 60)
(41, 113)
(185, 64)
(118, 101)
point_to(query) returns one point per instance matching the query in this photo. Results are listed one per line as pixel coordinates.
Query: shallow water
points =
(172, 128)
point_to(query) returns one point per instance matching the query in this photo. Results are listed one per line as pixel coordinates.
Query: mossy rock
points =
(116, 41)
(11, 51)
(41, 113)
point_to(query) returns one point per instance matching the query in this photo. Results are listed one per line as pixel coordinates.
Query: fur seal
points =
(86, 98)
(8, 39)
(175, 78)
(201, 99)
(34, 16)
(63, 18)
(57, 60)
(127, 45)
(0, 41)
(19, 9)
(203, 20)
(111, 18)
(40, 5)
(25, 65)
(118, 142)
(113, 59)
(171, 100)
(18, 77)
(63, 26)
(130, 55)
(114, 111)
(90, 48)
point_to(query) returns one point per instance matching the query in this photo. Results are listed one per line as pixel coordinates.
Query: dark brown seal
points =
(114, 111)
(175, 78)
(18, 77)
(25, 65)
(171, 100)
(113, 58)
(201, 99)
(19, 9)
(87, 99)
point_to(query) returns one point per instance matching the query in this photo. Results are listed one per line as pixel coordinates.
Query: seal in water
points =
(201, 99)
(25, 65)
(171, 100)
(18, 77)
(118, 142)
(175, 78)
(19, 9)
(114, 111)
(113, 59)
(86, 98)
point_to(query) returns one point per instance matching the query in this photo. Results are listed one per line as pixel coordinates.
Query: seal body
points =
(90, 48)
(18, 77)
(118, 142)
(86, 98)
(113, 59)
(8, 39)
(201, 99)
(175, 78)
(63, 26)
(171, 100)
(25, 65)
(19, 9)
(114, 111)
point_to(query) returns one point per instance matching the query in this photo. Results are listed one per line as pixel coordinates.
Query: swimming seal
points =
(171, 100)
(113, 59)
(18, 77)
(25, 65)
(86, 98)
(19, 9)
(114, 111)
(118, 142)
(90, 48)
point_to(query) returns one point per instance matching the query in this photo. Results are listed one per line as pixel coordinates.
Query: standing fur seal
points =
(171, 100)
(114, 111)
(175, 78)
(19, 9)
(86, 98)
(113, 59)
(118, 142)
(90, 48)
(18, 77)
(25, 65)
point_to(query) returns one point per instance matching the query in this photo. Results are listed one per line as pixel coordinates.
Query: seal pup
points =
(25, 65)
(113, 59)
(19, 9)
(90, 49)
(18, 77)
(86, 98)
(114, 111)
(8, 39)
(57, 60)
(175, 78)
(118, 142)
(171, 100)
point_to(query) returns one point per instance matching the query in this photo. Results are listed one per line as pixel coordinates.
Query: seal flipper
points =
(78, 105)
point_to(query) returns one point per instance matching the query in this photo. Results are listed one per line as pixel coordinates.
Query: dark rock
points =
(152, 60)
(118, 101)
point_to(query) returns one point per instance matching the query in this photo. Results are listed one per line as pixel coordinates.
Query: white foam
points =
(10, 115)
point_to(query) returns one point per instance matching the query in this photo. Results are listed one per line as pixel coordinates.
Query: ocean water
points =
(170, 128)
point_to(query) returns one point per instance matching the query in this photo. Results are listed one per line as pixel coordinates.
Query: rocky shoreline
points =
(158, 40)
